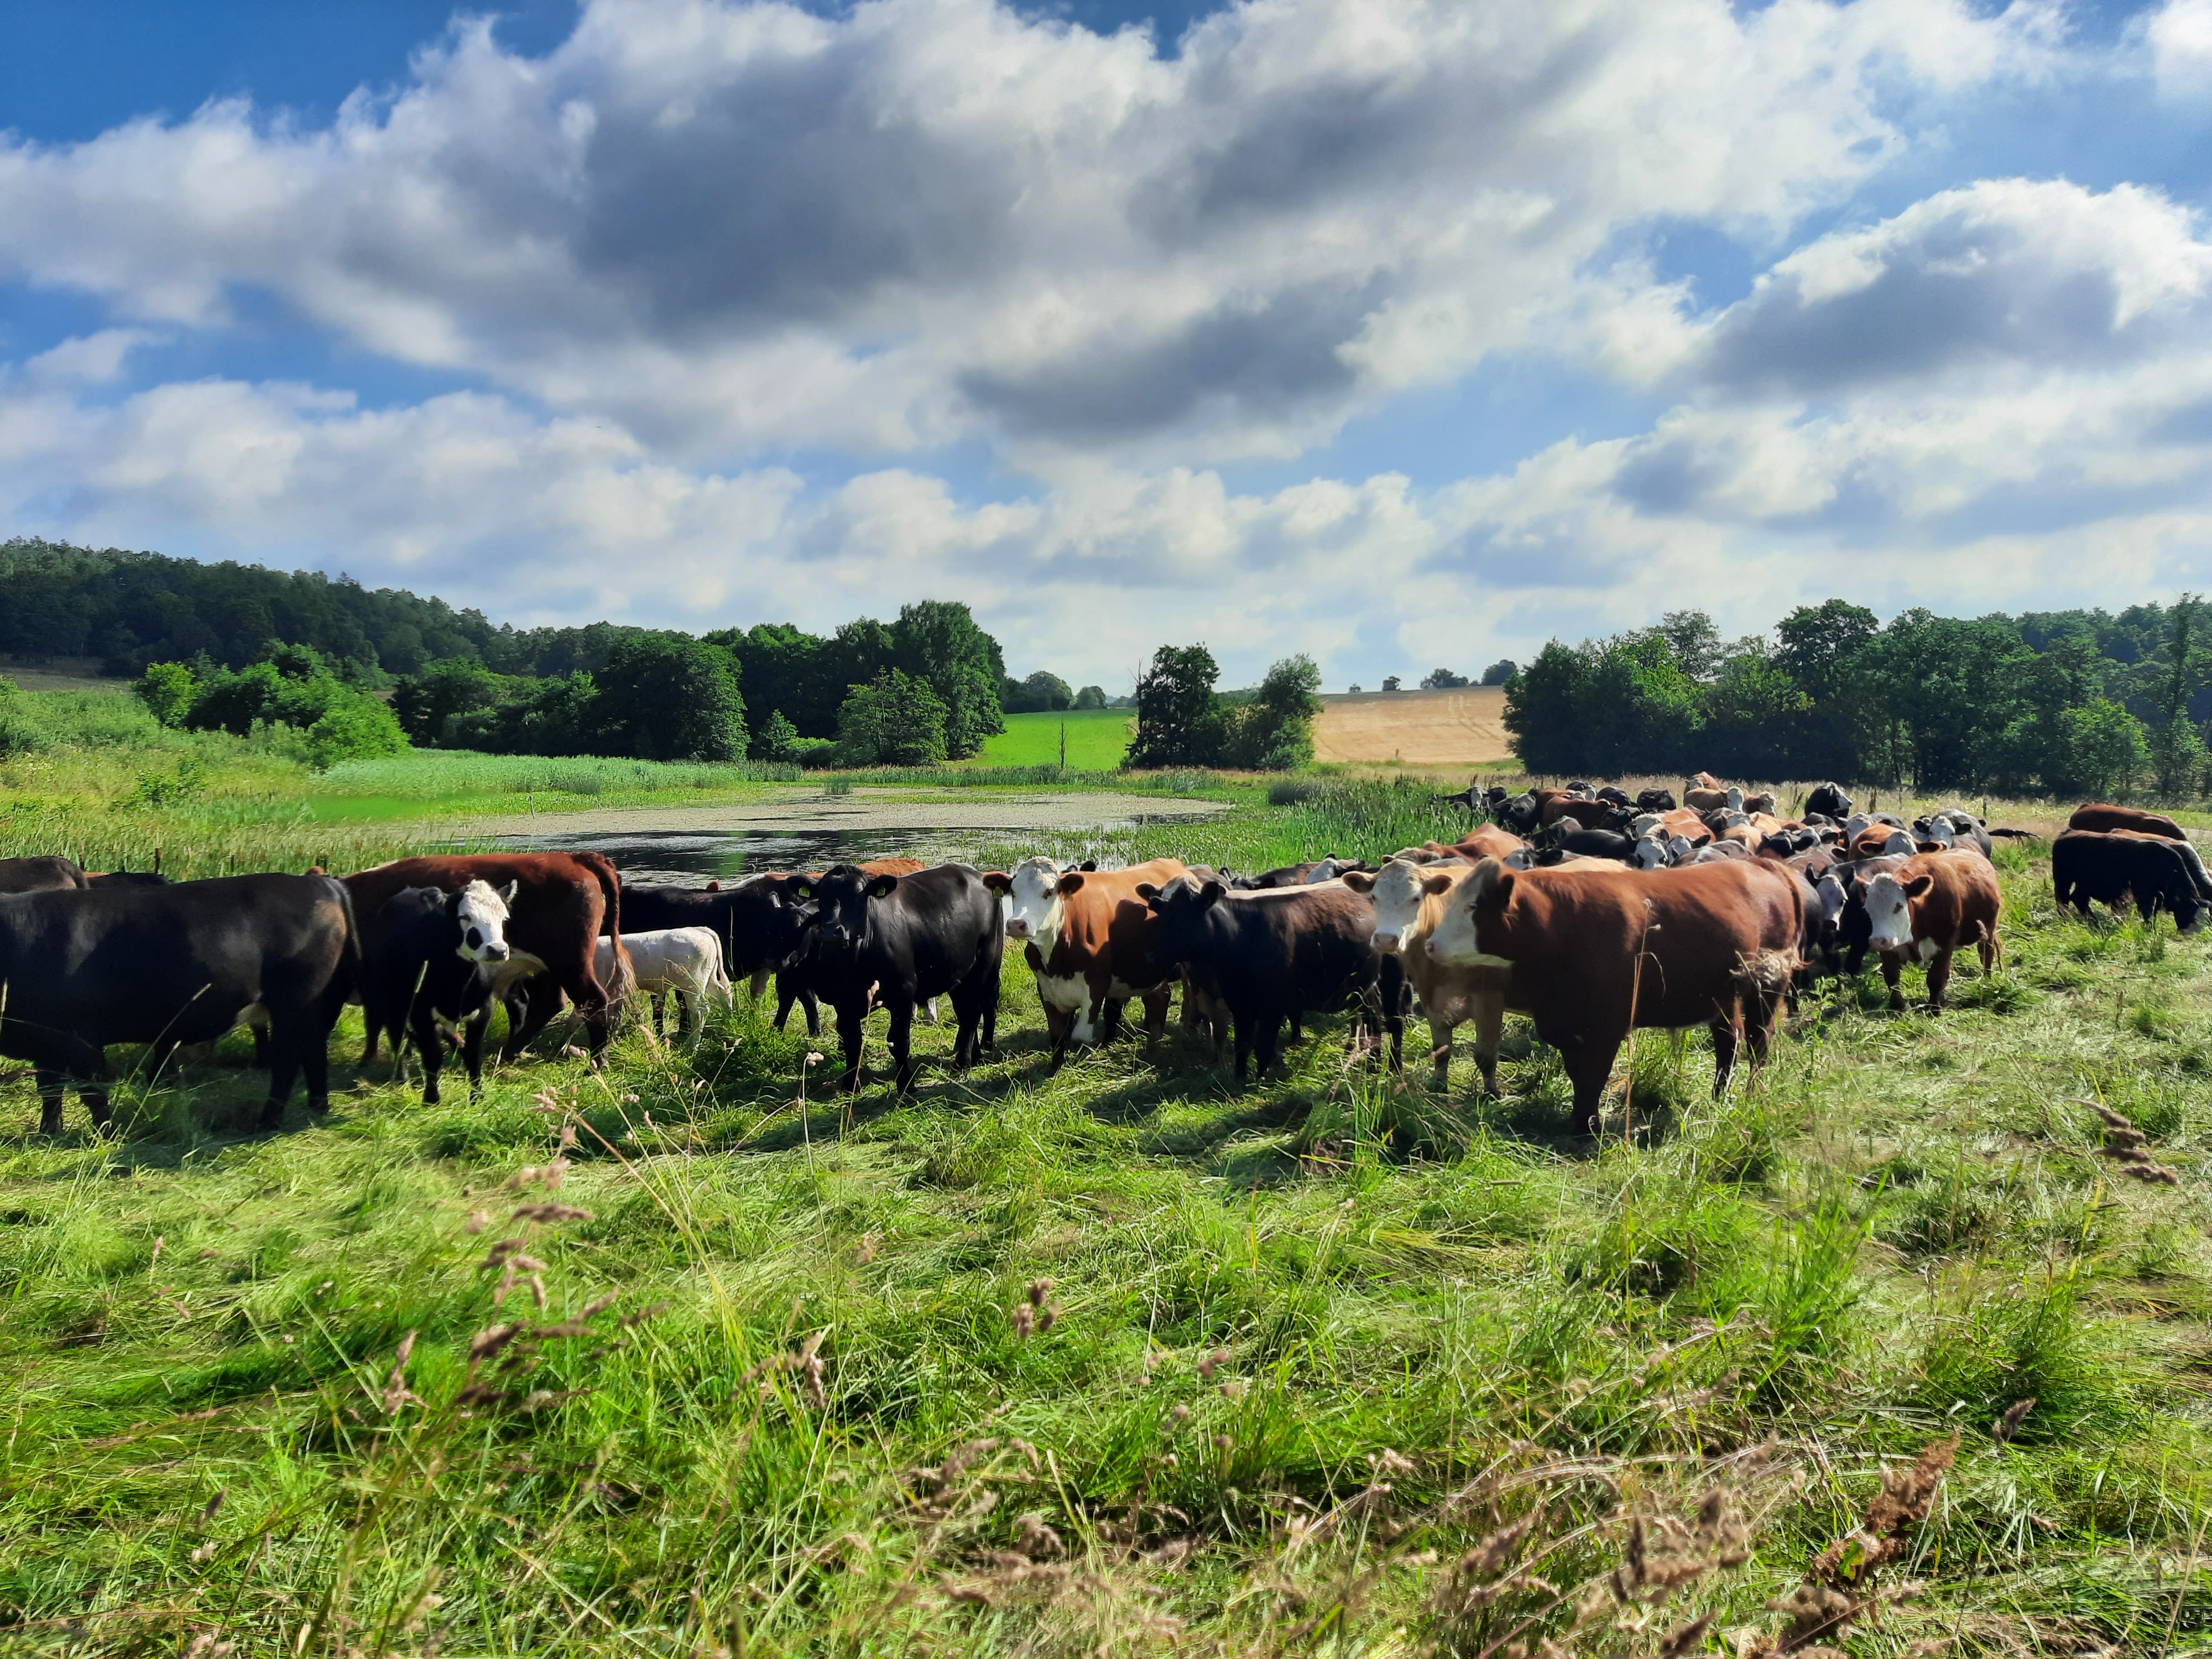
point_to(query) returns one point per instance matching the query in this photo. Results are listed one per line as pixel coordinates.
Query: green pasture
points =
(684, 1357)
(1096, 739)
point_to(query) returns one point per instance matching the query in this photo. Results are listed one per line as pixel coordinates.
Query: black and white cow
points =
(86, 967)
(894, 941)
(433, 962)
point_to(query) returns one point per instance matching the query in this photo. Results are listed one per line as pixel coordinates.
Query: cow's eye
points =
(475, 939)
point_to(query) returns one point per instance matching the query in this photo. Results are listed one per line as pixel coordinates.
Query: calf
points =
(41, 875)
(1087, 937)
(2112, 866)
(1933, 905)
(84, 967)
(1265, 956)
(683, 963)
(896, 940)
(1595, 953)
(1410, 902)
(433, 962)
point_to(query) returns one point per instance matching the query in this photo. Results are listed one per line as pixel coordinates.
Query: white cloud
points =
(2180, 34)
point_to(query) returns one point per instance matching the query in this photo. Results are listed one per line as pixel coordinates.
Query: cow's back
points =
(2103, 815)
(51, 874)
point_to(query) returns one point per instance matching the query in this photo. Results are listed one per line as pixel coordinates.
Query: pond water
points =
(687, 857)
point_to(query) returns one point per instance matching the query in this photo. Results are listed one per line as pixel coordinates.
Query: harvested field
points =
(1420, 728)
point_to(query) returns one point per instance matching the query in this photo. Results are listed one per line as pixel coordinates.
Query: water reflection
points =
(692, 856)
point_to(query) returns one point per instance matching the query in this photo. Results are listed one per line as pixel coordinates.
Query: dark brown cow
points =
(1596, 952)
(41, 875)
(1936, 904)
(555, 916)
(1087, 935)
(2103, 815)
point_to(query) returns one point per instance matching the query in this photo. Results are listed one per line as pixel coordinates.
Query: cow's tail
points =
(350, 972)
(622, 982)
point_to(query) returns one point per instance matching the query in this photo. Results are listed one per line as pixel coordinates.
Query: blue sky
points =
(1402, 333)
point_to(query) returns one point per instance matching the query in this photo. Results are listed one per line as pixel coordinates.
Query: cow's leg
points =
(431, 1046)
(659, 1004)
(52, 1095)
(472, 1047)
(758, 983)
(1267, 1046)
(1106, 1016)
(540, 1002)
(1724, 1047)
(1156, 1019)
(902, 1044)
(1589, 1068)
(1440, 1053)
(1058, 1026)
(1939, 981)
(284, 1059)
(929, 1011)
(315, 1061)
(1892, 969)
(1489, 1028)
(1244, 1029)
(1397, 996)
(851, 1031)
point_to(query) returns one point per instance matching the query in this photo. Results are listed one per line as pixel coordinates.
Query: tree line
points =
(2066, 703)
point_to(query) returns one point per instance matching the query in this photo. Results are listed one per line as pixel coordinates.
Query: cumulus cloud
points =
(2180, 35)
(730, 225)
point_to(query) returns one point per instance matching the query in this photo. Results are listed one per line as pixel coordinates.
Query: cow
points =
(1266, 955)
(1657, 800)
(432, 959)
(1488, 841)
(41, 875)
(1595, 953)
(794, 979)
(2110, 866)
(1881, 841)
(1087, 937)
(1295, 875)
(893, 941)
(1410, 900)
(1829, 801)
(84, 967)
(1928, 908)
(1705, 800)
(683, 963)
(562, 901)
(125, 878)
(1587, 844)
(2101, 815)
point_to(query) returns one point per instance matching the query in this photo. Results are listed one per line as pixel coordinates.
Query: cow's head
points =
(1649, 853)
(1469, 934)
(1398, 890)
(1184, 907)
(1889, 908)
(479, 912)
(1036, 891)
(841, 896)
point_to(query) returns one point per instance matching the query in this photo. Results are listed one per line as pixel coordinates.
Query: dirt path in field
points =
(1421, 728)
(802, 809)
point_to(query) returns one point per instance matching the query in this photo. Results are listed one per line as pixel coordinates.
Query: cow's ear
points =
(507, 893)
(1088, 864)
(998, 881)
(881, 886)
(1211, 893)
(1147, 892)
(1360, 881)
(802, 889)
(1919, 886)
(1435, 883)
(713, 886)
(1072, 881)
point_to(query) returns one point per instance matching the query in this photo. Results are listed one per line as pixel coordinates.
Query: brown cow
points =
(1086, 935)
(1930, 907)
(1488, 841)
(1410, 902)
(1595, 953)
(555, 918)
(2103, 815)
(41, 875)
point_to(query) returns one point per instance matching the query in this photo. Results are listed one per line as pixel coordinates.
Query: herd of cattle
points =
(1590, 912)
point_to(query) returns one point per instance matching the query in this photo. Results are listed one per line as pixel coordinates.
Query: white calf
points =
(686, 963)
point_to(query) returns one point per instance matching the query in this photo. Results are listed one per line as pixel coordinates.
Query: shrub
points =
(168, 690)
(354, 728)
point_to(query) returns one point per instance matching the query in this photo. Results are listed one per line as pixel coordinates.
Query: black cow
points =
(2109, 866)
(40, 875)
(1296, 875)
(125, 878)
(429, 954)
(1657, 800)
(894, 941)
(1586, 843)
(1519, 813)
(1267, 956)
(1830, 801)
(172, 965)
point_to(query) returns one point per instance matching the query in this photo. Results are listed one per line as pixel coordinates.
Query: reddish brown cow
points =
(555, 916)
(1087, 937)
(1928, 909)
(1595, 953)
(2102, 815)
(1488, 841)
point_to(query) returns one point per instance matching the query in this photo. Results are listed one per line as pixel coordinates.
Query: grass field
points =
(1096, 739)
(1123, 1360)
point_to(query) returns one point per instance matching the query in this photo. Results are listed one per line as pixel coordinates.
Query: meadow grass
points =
(1096, 739)
(1122, 1360)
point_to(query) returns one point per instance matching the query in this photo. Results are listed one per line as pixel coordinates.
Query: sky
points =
(1405, 334)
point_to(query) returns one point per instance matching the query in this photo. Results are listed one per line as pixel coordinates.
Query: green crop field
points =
(683, 1356)
(1096, 739)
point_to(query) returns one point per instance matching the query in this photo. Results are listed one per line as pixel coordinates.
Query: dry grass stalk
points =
(2127, 1147)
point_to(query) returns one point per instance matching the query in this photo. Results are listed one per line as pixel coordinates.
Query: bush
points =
(778, 739)
(168, 690)
(355, 727)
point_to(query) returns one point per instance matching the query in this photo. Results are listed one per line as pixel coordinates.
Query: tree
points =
(2102, 750)
(1040, 693)
(168, 690)
(2176, 751)
(1695, 642)
(1501, 672)
(425, 702)
(1091, 696)
(670, 698)
(356, 726)
(1442, 679)
(1178, 720)
(938, 641)
(895, 720)
(777, 739)
(1390, 682)
(1273, 732)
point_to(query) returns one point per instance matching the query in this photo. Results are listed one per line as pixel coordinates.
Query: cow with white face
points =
(1926, 909)
(1034, 905)
(1085, 934)
(480, 910)
(1649, 853)
(1410, 901)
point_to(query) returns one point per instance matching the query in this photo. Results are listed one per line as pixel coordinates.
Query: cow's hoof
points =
(319, 1104)
(430, 1098)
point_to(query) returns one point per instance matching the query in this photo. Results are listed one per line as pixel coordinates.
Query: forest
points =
(2059, 702)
